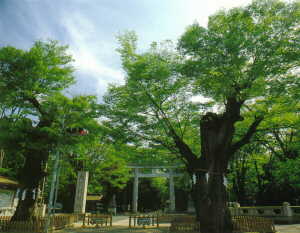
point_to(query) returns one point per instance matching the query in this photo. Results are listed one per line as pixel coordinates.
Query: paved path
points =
(292, 228)
(120, 225)
(116, 229)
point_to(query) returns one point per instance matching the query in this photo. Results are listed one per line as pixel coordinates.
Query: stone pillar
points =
(112, 208)
(135, 193)
(81, 192)
(190, 205)
(287, 210)
(172, 191)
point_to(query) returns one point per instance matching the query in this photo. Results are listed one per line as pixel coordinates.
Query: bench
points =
(144, 221)
(252, 224)
(98, 219)
(141, 220)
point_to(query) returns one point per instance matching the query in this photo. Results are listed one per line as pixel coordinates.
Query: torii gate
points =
(170, 174)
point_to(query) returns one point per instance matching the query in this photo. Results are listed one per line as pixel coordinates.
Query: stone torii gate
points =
(170, 174)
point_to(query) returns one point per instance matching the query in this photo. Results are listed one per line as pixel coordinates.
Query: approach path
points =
(120, 225)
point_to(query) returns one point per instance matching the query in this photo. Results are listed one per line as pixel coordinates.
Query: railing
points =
(37, 225)
(7, 211)
(278, 213)
(60, 221)
(252, 224)
(258, 211)
(295, 210)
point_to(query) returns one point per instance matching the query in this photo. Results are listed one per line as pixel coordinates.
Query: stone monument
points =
(81, 192)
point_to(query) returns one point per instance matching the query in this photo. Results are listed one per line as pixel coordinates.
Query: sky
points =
(90, 28)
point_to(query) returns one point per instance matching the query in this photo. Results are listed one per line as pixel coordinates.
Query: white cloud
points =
(200, 10)
(85, 48)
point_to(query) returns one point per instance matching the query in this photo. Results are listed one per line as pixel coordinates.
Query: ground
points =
(120, 225)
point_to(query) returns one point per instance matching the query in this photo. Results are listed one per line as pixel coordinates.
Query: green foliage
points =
(244, 51)
(36, 119)
(245, 62)
(39, 72)
(153, 101)
(287, 172)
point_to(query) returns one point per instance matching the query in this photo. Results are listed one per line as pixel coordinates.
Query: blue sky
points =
(90, 27)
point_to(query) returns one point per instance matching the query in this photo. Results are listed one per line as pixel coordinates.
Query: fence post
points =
(83, 220)
(287, 210)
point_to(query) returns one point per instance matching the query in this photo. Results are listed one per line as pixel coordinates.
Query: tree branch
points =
(36, 104)
(183, 148)
(246, 138)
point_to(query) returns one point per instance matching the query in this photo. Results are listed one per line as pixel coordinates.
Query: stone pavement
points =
(291, 228)
(120, 225)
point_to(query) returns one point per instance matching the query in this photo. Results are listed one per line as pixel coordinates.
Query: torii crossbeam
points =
(170, 174)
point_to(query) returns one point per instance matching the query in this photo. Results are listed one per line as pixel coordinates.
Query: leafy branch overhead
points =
(240, 66)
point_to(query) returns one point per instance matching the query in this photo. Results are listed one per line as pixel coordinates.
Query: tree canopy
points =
(245, 62)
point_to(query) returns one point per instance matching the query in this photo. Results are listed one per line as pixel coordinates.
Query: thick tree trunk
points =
(25, 208)
(211, 204)
(217, 148)
(216, 138)
(30, 177)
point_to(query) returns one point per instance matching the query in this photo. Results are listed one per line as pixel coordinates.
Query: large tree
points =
(241, 61)
(30, 85)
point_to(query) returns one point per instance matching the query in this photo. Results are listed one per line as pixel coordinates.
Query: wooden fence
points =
(188, 224)
(252, 224)
(37, 225)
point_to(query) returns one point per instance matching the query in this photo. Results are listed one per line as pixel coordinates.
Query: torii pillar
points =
(171, 191)
(135, 190)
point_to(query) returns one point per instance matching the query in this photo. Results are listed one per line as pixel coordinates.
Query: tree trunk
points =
(211, 204)
(25, 208)
(30, 177)
(217, 148)
(216, 138)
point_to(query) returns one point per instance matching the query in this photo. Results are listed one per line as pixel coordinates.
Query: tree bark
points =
(217, 148)
(212, 210)
(31, 176)
(36, 153)
(217, 131)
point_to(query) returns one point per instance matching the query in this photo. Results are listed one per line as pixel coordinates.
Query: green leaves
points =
(243, 50)
(154, 100)
(36, 73)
